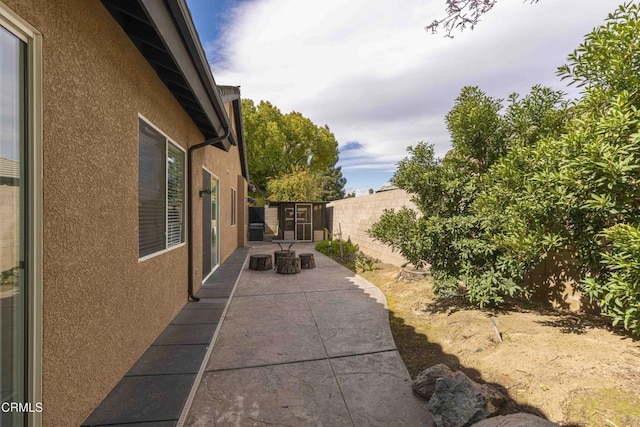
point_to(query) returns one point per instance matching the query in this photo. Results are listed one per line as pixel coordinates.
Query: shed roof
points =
(297, 203)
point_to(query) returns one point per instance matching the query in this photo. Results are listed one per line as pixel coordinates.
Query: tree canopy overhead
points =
(286, 149)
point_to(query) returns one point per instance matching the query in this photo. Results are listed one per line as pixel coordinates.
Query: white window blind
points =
(175, 195)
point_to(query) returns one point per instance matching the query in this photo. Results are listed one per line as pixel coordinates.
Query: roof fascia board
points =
(183, 18)
(229, 97)
(237, 111)
(161, 18)
(232, 94)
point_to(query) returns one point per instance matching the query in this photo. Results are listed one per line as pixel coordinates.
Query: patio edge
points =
(196, 384)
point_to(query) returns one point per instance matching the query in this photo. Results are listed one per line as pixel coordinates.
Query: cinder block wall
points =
(9, 236)
(357, 214)
(554, 281)
(270, 220)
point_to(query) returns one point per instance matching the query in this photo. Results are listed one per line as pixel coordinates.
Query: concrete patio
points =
(313, 348)
(260, 348)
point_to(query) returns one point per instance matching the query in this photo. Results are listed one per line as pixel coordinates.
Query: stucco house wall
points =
(102, 306)
(227, 168)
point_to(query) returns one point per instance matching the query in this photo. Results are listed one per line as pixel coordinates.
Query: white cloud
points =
(370, 71)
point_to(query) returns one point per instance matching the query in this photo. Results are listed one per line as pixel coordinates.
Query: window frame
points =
(168, 140)
(33, 225)
(234, 207)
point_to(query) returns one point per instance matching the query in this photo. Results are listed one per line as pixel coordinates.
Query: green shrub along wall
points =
(532, 177)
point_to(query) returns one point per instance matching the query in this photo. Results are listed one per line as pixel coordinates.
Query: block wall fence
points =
(355, 215)
(9, 235)
(554, 281)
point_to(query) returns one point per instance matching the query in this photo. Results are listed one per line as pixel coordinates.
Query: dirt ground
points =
(573, 369)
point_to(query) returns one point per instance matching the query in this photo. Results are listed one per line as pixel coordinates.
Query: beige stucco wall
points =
(227, 168)
(356, 215)
(102, 306)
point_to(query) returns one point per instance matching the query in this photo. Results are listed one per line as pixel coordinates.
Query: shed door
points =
(304, 222)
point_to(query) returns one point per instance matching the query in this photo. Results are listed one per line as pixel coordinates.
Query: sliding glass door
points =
(210, 223)
(13, 293)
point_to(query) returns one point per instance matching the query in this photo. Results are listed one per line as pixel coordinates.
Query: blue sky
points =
(210, 19)
(368, 70)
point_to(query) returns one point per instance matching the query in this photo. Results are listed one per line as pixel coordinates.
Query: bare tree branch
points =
(462, 14)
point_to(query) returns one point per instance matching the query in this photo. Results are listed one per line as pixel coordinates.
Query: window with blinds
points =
(161, 169)
(175, 195)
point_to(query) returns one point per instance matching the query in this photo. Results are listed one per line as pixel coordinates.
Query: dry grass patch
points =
(570, 368)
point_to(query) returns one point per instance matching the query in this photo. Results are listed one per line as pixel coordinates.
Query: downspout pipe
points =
(227, 132)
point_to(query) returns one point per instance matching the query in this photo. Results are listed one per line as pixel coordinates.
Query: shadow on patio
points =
(303, 349)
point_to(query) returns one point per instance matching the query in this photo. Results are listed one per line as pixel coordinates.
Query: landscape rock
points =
(515, 420)
(496, 398)
(425, 383)
(460, 402)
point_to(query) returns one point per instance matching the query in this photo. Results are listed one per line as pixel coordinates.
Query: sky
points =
(369, 70)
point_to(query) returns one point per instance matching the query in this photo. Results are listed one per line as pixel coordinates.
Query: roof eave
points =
(232, 94)
(164, 33)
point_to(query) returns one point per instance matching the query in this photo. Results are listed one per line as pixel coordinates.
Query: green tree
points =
(281, 144)
(514, 209)
(265, 137)
(476, 130)
(619, 293)
(446, 235)
(450, 236)
(599, 164)
(333, 184)
(557, 177)
(299, 185)
(607, 62)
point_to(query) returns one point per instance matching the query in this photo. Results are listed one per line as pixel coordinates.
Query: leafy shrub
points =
(337, 248)
(400, 230)
(618, 291)
(450, 235)
(347, 254)
(324, 247)
(363, 262)
(543, 176)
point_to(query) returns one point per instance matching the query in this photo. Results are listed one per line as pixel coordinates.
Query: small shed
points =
(304, 221)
